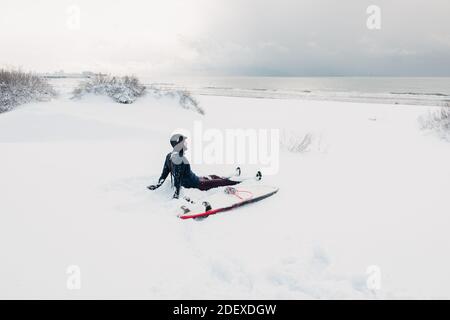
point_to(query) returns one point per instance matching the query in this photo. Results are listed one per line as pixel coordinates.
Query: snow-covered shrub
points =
(295, 142)
(186, 100)
(184, 97)
(17, 87)
(122, 89)
(438, 121)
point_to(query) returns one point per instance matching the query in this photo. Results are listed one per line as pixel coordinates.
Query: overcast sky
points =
(227, 37)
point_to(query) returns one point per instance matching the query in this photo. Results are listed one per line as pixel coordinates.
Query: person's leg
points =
(206, 184)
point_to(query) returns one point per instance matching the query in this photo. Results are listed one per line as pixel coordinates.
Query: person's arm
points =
(178, 171)
(166, 170)
(164, 174)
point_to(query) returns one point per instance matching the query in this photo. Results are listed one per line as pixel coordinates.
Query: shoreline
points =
(429, 95)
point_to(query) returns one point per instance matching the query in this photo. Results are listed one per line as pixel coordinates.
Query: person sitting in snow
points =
(180, 171)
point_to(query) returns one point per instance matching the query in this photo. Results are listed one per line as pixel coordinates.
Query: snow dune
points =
(372, 190)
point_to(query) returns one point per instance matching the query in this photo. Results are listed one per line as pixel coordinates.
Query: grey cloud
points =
(232, 37)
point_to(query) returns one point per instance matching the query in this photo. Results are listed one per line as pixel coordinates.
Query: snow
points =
(372, 190)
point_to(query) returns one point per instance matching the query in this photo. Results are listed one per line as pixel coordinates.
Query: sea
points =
(386, 90)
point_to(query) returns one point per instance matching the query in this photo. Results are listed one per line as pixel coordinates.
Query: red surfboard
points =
(230, 198)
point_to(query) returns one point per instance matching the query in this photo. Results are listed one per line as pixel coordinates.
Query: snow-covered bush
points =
(184, 97)
(122, 89)
(296, 142)
(128, 88)
(438, 121)
(17, 87)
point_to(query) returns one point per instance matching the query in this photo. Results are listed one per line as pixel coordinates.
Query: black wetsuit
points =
(180, 170)
(182, 176)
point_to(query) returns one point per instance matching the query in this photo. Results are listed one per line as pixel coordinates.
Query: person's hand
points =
(155, 186)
